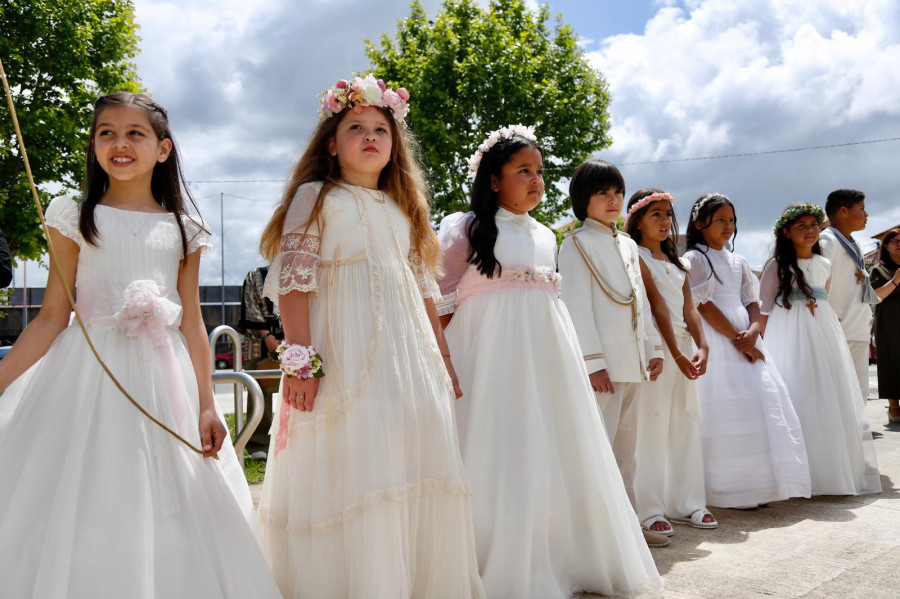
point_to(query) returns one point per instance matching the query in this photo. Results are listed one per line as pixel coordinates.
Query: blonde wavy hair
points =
(402, 179)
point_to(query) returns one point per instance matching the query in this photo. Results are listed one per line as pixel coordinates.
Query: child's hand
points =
(699, 361)
(686, 366)
(746, 340)
(600, 382)
(654, 368)
(456, 388)
(753, 355)
(212, 433)
(300, 393)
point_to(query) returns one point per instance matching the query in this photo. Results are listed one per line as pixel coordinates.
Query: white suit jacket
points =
(607, 336)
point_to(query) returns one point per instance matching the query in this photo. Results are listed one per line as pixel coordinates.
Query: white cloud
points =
(714, 77)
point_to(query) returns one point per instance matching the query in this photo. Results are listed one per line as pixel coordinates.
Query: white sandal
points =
(696, 519)
(646, 524)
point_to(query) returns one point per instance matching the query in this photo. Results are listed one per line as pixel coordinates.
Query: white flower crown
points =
(703, 201)
(492, 139)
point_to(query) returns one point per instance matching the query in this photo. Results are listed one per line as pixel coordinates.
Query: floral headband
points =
(703, 201)
(492, 139)
(795, 212)
(367, 91)
(646, 201)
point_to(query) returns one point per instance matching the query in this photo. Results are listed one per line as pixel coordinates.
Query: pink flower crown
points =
(653, 197)
(363, 91)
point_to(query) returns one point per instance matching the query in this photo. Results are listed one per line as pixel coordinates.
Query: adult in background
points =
(885, 279)
(262, 327)
(5, 262)
(851, 293)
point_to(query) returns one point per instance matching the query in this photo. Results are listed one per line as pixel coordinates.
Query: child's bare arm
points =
(717, 320)
(438, 327)
(695, 328)
(663, 319)
(51, 320)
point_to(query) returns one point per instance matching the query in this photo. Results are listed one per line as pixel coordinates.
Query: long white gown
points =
(810, 351)
(365, 497)
(753, 449)
(551, 514)
(96, 501)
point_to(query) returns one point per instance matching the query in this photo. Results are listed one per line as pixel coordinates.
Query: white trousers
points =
(669, 476)
(619, 414)
(860, 352)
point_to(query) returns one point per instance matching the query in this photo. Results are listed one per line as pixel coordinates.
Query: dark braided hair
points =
(167, 183)
(670, 243)
(709, 204)
(785, 257)
(482, 229)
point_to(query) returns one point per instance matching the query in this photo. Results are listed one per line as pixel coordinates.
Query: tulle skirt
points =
(96, 501)
(811, 353)
(551, 514)
(753, 448)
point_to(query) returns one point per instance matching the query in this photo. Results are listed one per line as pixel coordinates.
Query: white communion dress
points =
(753, 447)
(809, 349)
(96, 501)
(551, 514)
(365, 497)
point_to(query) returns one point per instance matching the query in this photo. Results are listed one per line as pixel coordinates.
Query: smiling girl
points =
(810, 351)
(365, 493)
(551, 513)
(96, 500)
(753, 447)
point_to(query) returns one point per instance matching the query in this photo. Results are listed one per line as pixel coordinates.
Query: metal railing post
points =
(238, 367)
(255, 405)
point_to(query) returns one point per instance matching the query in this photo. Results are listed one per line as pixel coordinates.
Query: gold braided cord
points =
(59, 272)
(604, 286)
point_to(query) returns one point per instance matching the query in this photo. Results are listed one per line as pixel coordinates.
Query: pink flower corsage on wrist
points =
(301, 361)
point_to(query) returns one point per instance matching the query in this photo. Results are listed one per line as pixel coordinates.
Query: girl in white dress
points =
(810, 351)
(669, 479)
(551, 514)
(365, 495)
(752, 442)
(96, 500)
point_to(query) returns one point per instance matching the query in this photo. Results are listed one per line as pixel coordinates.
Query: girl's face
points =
(803, 233)
(656, 223)
(606, 206)
(720, 229)
(126, 146)
(362, 143)
(520, 185)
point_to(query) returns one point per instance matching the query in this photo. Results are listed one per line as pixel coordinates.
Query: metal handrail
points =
(229, 332)
(254, 408)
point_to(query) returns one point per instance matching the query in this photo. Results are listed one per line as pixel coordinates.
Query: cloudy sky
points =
(688, 79)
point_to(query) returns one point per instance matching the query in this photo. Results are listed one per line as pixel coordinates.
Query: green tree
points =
(471, 70)
(59, 55)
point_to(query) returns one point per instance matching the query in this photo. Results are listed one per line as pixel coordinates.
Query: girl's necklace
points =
(124, 223)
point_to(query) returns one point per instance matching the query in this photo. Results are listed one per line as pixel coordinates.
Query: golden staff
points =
(59, 272)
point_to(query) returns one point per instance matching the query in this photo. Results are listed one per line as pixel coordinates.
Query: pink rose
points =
(403, 93)
(295, 357)
(381, 84)
(392, 99)
(331, 103)
(341, 84)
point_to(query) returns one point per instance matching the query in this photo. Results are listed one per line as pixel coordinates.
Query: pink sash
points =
(514, 276)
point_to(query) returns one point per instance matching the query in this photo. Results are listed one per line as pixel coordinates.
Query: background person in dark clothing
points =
(885, 278)
(5, 263)
(262, 327)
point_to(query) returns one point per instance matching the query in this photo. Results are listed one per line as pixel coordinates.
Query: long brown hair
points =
(402, 179)
(884, 256)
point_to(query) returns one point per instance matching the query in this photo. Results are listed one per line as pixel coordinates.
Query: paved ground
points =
(825, 547)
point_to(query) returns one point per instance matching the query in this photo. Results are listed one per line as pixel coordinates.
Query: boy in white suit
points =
(851, 293)
(603, 290)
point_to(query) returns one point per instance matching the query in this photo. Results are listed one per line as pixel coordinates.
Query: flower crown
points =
(703, 201)
(796, 211)
(492, 139)
(363, 91)
(646, 201)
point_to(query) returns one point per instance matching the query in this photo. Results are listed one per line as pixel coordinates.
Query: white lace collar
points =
(523, 220)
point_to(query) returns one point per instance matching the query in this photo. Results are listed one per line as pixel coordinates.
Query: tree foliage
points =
(59, 55)
(471, 70)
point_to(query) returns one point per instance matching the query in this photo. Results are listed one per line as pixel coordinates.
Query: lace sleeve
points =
(700, 277)
(296, 266)
(768, 288)
(455, 254)
(62, 215)
(424, 279)
(198, 235)
(749, 284)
